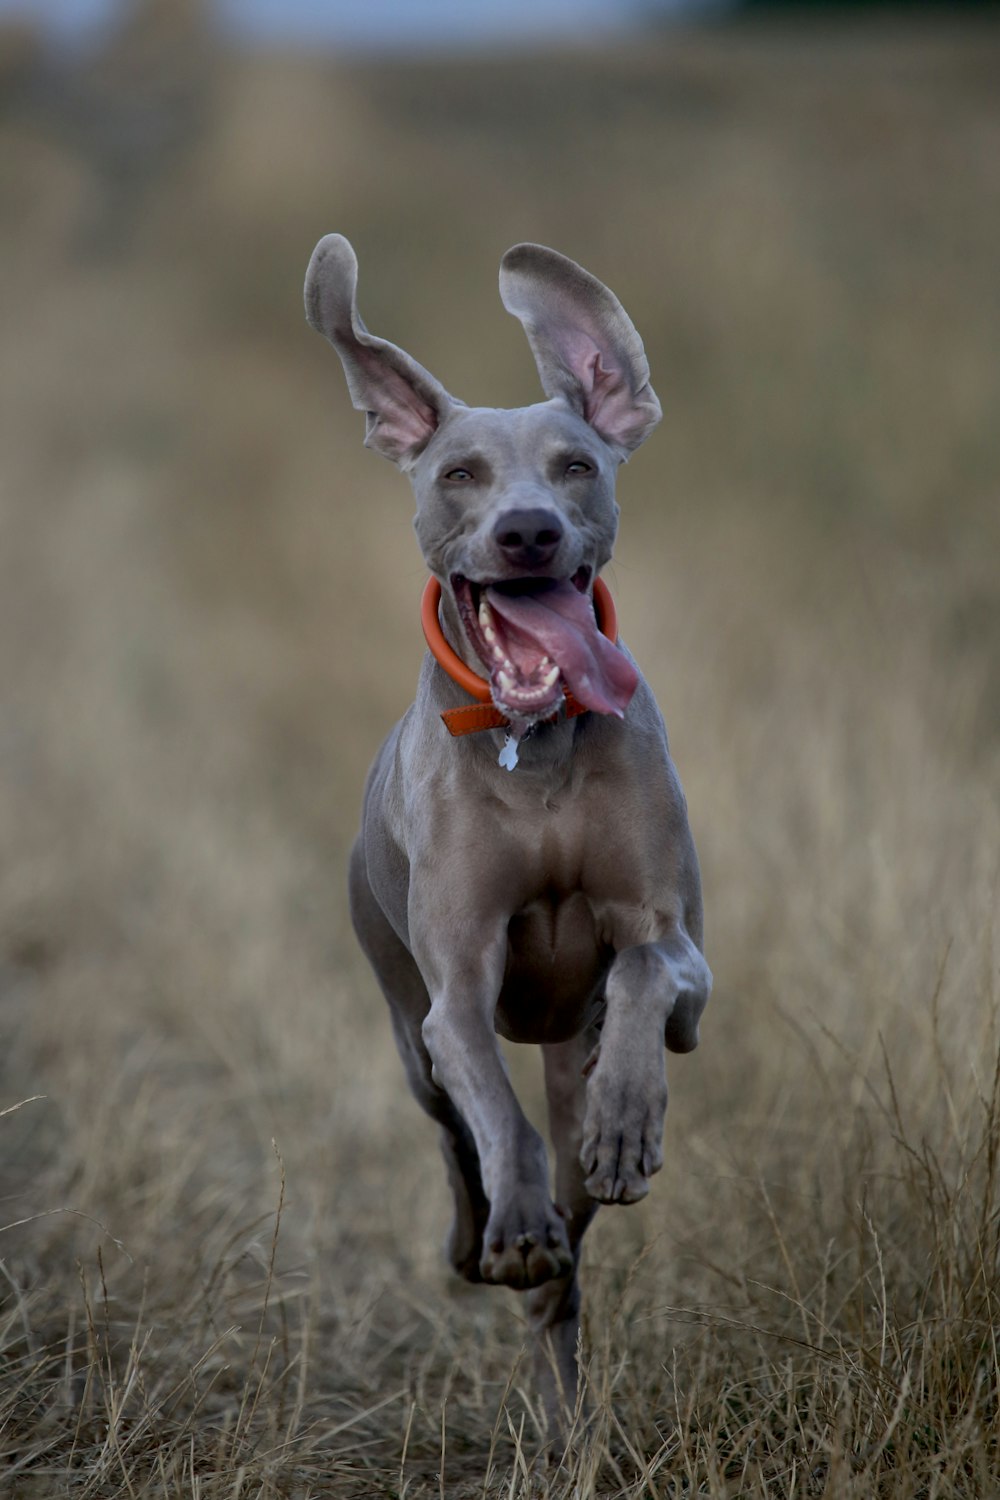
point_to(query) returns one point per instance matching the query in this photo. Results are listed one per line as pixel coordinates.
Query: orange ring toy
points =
(476, 686)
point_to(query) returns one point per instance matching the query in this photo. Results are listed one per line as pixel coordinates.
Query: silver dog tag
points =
(508, 754)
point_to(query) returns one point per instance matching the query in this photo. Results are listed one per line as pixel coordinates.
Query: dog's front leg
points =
(554, 1309)
(525, 1242)
(655, 992)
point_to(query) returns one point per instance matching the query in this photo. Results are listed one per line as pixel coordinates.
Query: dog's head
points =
(516, 511)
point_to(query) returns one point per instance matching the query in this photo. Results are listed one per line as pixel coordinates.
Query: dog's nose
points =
(528, 538)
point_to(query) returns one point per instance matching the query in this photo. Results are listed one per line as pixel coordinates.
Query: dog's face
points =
(516, 511)
(516, 515)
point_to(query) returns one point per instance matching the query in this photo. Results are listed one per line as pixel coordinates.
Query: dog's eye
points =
(459, 476)
(578, 466)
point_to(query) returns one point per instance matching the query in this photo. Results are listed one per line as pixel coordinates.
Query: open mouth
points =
(537, 638)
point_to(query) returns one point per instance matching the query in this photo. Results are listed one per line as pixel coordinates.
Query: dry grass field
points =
(220, 1265)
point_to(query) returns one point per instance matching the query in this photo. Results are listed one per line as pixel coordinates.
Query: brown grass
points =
(220, 1269)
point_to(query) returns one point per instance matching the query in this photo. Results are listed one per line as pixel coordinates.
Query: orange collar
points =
(484, 714)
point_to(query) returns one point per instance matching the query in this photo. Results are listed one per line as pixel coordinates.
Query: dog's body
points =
(559, 904)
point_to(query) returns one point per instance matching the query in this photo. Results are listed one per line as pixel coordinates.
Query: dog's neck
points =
(546, 748)
(453, 654)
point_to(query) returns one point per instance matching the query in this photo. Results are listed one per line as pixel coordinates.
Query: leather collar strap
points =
(484, 714)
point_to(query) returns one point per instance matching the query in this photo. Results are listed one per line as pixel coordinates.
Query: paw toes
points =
(652, 1160)
(527, 1257)
(618, 1171)
(545, 1265)
(617, 1187)
(633, 1189)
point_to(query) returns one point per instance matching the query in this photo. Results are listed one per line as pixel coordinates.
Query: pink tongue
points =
(560, 622)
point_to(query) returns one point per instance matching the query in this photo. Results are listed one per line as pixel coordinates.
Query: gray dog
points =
(532, 872)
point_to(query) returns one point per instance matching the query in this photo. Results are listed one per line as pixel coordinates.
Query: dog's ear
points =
(585, 346)
(404, 404)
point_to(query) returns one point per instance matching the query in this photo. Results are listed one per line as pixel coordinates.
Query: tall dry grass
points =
(220, 1271)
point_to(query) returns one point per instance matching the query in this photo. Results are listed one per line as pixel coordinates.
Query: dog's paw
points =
(525, 1242)
(622, 1137)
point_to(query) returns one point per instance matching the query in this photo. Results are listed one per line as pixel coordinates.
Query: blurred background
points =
(209, 596)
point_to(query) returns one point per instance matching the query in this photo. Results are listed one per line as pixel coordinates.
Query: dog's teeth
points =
(489, 632)
(498, 653)
(506, 682)
(550, 677)
(508, 665)
(544, 662)
(485, 617)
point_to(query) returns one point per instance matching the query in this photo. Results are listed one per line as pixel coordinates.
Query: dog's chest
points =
(578, 856)
(556, 963)
(580, 897)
